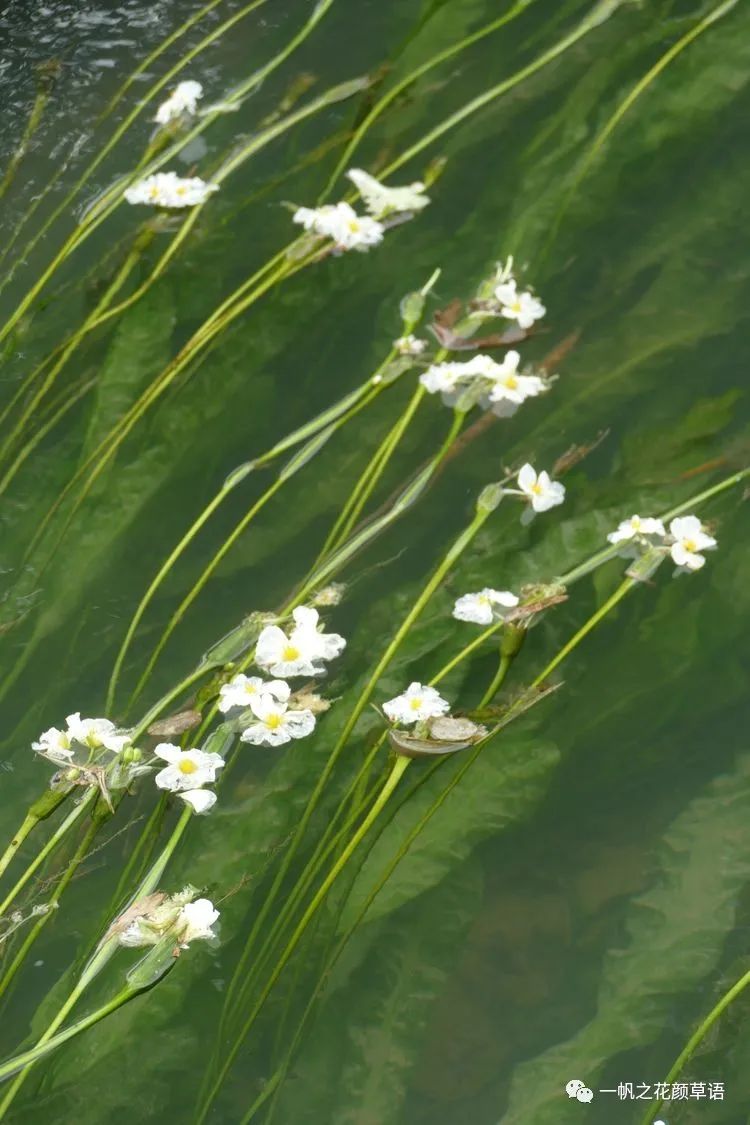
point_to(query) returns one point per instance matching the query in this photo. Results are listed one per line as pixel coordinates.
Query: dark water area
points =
(581, 898)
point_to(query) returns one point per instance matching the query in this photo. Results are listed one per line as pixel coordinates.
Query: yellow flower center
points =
(290, 653)
(273, 722)
(516, 306)
(187, 765)
(181, 190)
(537, 489)
(511, 382)
(690, 545)
(353, 226)
(415, 703)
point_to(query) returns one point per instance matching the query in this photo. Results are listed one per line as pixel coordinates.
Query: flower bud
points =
(511, 640)
(490, 497)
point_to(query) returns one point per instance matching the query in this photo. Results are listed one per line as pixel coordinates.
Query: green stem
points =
(102, 956)
(73, 816)
(27, 1059)
(27, 825)
(369, 478)
(386, 792)
(37, 109)
(412, 77)
(497, 682)
(80, 854)
(696, 1039)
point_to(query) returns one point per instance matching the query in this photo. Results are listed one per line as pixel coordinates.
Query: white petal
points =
(201, 801)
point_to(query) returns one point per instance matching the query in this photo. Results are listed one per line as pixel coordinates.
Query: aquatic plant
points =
(350, 827)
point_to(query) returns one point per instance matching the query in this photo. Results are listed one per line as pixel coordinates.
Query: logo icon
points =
(579, 1090)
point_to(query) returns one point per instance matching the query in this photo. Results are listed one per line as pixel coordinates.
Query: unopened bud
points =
(511, 640)
(490, 497)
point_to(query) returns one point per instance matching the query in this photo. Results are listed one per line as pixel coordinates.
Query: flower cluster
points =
(186, 773)
(183, 100)
(685, 540)
(499, 387)
(181, 918)
(485, 606)
(272, 714)
(81, 741)
(409, 345)
(167, 189)
(502, 297)
(349, 231)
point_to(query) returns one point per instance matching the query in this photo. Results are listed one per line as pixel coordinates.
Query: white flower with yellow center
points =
(418, 702)
(302, 652)
(186, 769)
(55, 745)
(183, 99)
(539, 489)
(485, 606)
(96, 733)
(342, 224)
(689, 540)
(635, 527)
(409, 345)
(241, 690)
(276, 723)
(509, 386)
(167, 189)
(449, 377)
(522, 307)
(381, 200)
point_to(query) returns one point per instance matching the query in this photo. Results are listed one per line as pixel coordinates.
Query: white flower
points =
(634, 527)
(409, 345)
(167, 189)
(242, 689)
(479, 607)
(96, 733)
(180, 915)
(509, 386)
(417, 702)
(689, 540)
(186, 769)
(540, 490)
(381, 200)
(301, 653)
(445, 378)
(183, 99)
(195, 922)
(54, 744)
(341, 223)
(276, 724)
(523, 307)
(201, 801)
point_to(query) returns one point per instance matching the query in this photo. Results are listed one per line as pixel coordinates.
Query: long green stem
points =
(102, 956)
(27, 825)
(37, 109)
(369, 478)
(113, 197)
(625, 105)
(56, 838)
(27, 1059)
(695, 1040)
(397, 771)
(502, 671)
(334, 417)
(78, 857)
(599, 13)
(32, 405)
(413, 76)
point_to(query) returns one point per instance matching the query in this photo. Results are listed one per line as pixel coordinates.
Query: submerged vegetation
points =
(316, 489)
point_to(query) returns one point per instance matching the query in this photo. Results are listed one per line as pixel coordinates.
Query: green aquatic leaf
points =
(674, 934)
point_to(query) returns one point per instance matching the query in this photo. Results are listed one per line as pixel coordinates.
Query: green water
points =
(580, 900)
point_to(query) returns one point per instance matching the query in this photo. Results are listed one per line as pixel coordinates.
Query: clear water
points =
(581, 900)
